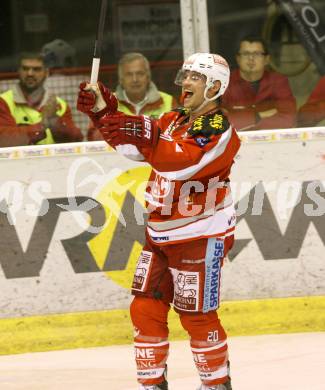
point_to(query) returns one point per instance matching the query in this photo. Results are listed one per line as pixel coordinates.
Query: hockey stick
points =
(98, 43)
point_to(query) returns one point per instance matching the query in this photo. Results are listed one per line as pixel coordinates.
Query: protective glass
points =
(184, 74)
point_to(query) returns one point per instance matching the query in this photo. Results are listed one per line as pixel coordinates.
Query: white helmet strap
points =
(206, 99)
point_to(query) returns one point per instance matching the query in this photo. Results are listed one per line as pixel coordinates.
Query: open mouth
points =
(188, 94)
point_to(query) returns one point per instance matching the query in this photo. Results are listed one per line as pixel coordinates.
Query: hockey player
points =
(191, 218)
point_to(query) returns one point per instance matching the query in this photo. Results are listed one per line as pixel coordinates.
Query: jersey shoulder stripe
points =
(207, 158)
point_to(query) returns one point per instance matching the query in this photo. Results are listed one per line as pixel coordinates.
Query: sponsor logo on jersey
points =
(142, 271)
(199, 358)
(216, 121)
(232, 219)
(170, 128)
(202, 141)
(157, 239)
(208, 125)
(186, 289)
(197, 125)
(145, 353)
(205, 375)
(214, 256)
(161, 187)
(149, 374)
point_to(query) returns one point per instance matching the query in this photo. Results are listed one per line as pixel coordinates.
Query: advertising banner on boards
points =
(72, 223)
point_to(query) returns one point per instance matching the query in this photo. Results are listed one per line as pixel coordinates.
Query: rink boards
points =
(72, 223)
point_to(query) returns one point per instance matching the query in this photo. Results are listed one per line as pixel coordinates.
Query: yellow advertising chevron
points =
(134, 180)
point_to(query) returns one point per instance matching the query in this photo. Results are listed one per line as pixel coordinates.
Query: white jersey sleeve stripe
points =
(130, 151)
(174, 224)
(211, 155)
(221, 222)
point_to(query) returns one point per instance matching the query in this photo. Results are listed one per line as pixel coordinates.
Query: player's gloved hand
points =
(138, 130)
(96, 100)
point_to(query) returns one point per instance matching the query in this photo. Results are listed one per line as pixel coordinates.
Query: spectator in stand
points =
(313, 111)
(30, 114)
(258, 98)
(136, 92)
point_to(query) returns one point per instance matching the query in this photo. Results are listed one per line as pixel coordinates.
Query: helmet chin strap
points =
(206, 99)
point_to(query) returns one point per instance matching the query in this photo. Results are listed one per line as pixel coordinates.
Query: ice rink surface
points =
(272, 362)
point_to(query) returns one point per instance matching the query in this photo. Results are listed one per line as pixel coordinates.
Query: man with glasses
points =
(191, 218)
(136, 92)
(258, 98)
(30, 114)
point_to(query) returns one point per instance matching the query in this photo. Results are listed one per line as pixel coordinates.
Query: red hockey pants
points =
(188, 276)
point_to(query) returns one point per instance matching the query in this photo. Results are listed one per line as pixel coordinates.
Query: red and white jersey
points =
(188, 194)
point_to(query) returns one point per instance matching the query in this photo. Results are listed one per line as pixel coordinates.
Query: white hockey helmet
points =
(212, 66)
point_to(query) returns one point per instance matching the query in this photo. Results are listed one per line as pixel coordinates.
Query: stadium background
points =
(151, 27)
